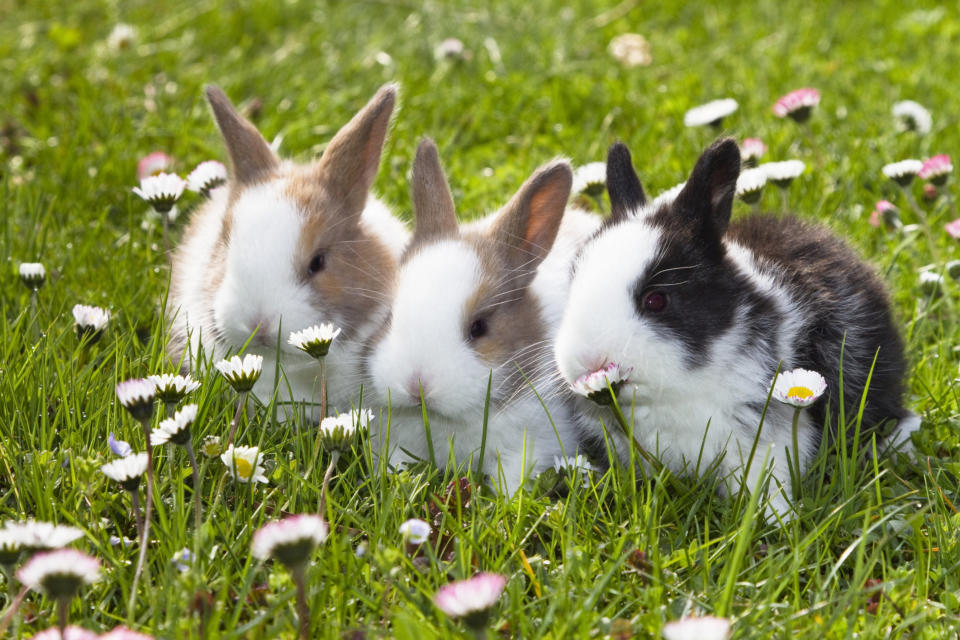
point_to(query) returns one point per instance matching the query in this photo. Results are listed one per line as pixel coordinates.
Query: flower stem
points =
(63, 611)
(628, 432)
(136, 514)
(241, 402)
(784, 199)
(303, 610)
(147, 513)
(323, 414)
(166, 232)
(197, 513)
(796, 454)
(334, 457)
(12, 594)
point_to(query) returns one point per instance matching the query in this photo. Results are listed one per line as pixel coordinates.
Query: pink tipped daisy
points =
(936, 169)
(596, 385)
(290, 541)
(702, 628)
(888, 213)
(472, 599)
(751, 150)
(70, 633)
(122, 633)
(953, 228)
(799, 388)
(153, 164)
(162, 191)
(206, 177)
(797, 105)
(60, 573)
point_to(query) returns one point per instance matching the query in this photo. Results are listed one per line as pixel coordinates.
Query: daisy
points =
(449, 48)
(703, 628)
(750, 185)
(953, 228)
(90, 321)
(122, 37)
(315, 340)
(783, 173)
(590, 178)
(60, 573)
(471, 599)
(161, 190)
(122, 633)
(711, 113)
(171, 389)
(137, 395)
(243, 464)
(631, 50)
(597, 385)
(931, 283)
(799, 388)
(337, 433)
(936, 169)
(573, 466)
(211, 447)
(177, 428)
(38, 535)
(797, 105)
(290, 541)
(127, 470)
(888, 212)
(415, 531)
(206, 177)
(902, 172)
(241, 374)
(751, 150)
(11, 546)
(912, 116)
(70, 633)
(32, 275)
(153, 164)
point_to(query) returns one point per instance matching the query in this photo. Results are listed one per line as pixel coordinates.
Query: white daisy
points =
(211, 446)
(912, 116)
(596, 385)
(711, 113)
(127, 470)
(702, 628)
(90, 321)
(799, 388)
(631, 50)
(668, 196)
(902, 172)
(337, 433)
(177, 428)
(465, 597)
(171, 388)
(415, 531)
(59, 573)
(241, 374)
(590, 178)
(161, 190)
(449, 48)
(783, 173)
(122, 37)
(32, 275)
(290, 541)
(137, 395)
(315, 340)
(207, 176)
(750, 185)
(931, 283)
(11, 546)
(36, 534)
(243, 464)
(572, 466)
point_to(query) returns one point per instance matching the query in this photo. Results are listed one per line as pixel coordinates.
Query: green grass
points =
(616, 558)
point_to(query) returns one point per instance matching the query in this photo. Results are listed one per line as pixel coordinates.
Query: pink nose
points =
(414, 386)
(266, 335)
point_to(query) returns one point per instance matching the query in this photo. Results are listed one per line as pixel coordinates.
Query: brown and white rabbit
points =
(284, 246)
(474, 301)
(701, 312)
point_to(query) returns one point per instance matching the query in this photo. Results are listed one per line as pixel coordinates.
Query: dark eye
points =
(478, 328)
(317, 263)
(655, 301)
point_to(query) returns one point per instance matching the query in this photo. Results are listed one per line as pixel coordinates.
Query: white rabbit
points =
(473, 302)
(284, 246)
(702, 312)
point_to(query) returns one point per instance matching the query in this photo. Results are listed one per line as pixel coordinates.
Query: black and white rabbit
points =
(702, 312)
(284, 246)
(472, 301)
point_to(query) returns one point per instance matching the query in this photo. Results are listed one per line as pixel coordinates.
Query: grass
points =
(874, 552)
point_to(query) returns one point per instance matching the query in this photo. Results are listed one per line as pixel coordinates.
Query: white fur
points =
(672, 403)
(261, 288)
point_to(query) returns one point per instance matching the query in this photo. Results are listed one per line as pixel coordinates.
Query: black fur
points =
(623, 185)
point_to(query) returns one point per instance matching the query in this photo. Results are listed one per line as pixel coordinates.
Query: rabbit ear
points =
(528, 225)
(432, 202)
(251, 158)
(623, 185)
(349, 163)
(706, 201)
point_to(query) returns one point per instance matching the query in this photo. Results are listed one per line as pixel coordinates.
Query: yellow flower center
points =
(244, 468)
(801, 393)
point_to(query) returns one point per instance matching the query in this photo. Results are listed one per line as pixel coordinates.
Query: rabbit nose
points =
(265, 333)
(415, 386)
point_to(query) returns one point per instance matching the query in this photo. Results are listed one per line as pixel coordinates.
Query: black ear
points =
(706, 200)
(623, 185)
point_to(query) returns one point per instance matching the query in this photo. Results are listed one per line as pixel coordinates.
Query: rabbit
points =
(702, 312)
(283, 246)
(475, 301)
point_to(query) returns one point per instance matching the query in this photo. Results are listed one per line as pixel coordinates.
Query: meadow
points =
(873, 551)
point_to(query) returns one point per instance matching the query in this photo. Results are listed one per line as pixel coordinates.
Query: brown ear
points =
(433, 205)
(528, 224)
(251, 158)
(350, 162)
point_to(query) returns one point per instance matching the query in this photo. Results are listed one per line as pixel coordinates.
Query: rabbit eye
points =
(317, 263)
(478, 328)
(655, 301)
